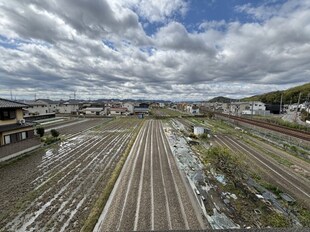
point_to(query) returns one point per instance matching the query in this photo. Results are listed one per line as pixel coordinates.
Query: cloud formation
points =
(101, 49)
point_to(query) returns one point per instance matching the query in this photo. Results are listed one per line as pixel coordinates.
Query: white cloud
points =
(57, 47)
(207, 25)
(156, 11)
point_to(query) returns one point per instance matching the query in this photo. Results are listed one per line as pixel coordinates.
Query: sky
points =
(152, 49)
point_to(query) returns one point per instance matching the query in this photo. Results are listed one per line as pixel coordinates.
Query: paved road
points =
(150, 193)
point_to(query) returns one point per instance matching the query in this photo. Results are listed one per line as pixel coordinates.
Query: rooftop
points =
(4, 103)
(35, 103)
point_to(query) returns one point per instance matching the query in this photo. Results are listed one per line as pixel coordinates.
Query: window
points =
(23, 135)
(7, 139)
(12, 114)
(7, 114)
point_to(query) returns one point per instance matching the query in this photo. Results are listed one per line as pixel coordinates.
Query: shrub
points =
(54, 133)
(40, 131)
(193, 136)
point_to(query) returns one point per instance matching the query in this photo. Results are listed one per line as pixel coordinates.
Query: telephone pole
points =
(297, 107)
(281, 103)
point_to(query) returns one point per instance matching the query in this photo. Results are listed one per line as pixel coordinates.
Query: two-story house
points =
(15, 134)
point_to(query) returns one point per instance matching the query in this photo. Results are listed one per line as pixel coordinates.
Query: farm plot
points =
(55, 190)
(150, 193)
(78, 126)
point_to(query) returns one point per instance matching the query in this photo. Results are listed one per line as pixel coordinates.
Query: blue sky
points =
(168, 49)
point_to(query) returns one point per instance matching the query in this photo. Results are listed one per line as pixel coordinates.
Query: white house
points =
(193, 109)
(129, 106)
(236, 108)
(93, 111)
(69, 107)
(257, 106)
(36, 108)
(118, 111)
(51, 105)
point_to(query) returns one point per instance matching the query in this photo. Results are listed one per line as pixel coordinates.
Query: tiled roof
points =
(48, 101)
(4, 103)
(34, 103)
(119, 109)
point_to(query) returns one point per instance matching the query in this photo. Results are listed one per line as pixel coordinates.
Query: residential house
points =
(16, 135)
(68, 107)
(35, 108)
(236, 108)
(193, 109)
(52, 105)
(93, 111)
(118, 111)
(182, 106)
(143, 108)
(256, 108)
(129, 106)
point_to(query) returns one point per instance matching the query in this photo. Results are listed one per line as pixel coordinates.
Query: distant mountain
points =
(222, 99)
(289, 95)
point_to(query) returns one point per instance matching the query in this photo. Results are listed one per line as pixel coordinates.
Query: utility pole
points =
(252, 108)
(308, 104)
(297, 107)
(11, 95)
(281, 103)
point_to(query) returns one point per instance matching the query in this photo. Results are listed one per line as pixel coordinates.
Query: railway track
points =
(281, 176)
(281, 129)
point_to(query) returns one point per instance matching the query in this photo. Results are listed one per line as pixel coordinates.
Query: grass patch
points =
(104, 196)
(303, 215)
(276, 220)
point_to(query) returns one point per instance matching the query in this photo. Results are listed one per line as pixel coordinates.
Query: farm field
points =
(55, 189)
(150, 193)
(165, 112)
(72, 127)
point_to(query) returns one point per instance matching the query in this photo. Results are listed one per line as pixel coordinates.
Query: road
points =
(282, 176)
(150, 193)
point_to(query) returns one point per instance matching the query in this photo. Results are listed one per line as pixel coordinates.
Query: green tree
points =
(54, 133)
(40, 131)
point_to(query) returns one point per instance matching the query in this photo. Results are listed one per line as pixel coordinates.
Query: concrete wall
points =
(10, 149)
(37, 110)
